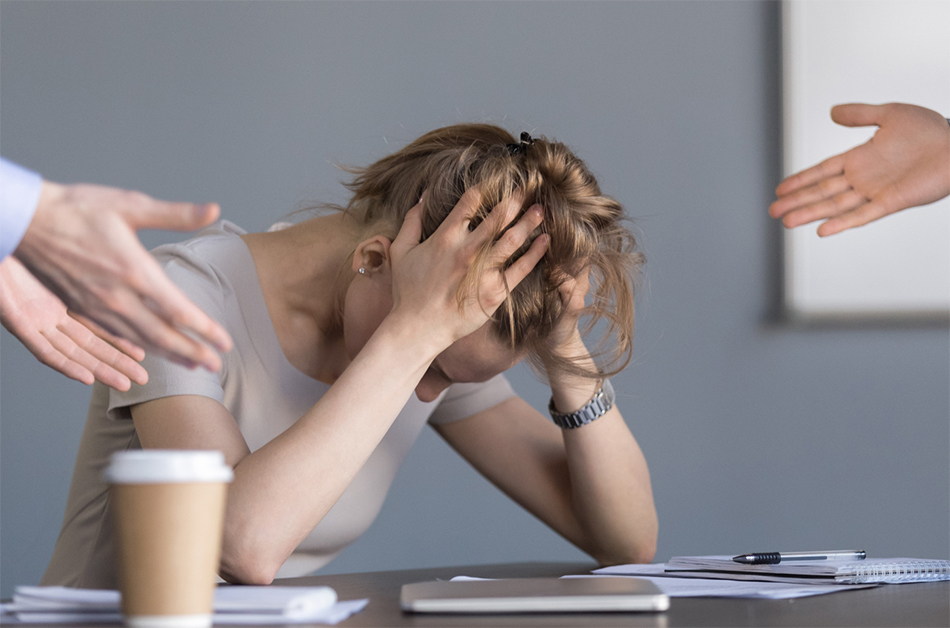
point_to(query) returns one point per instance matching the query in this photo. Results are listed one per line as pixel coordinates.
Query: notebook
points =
(534, 595)
(871, 570)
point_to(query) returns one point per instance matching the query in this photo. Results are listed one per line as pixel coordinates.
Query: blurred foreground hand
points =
(78, 350)
(81, 244)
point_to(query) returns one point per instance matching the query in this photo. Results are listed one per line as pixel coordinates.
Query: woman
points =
(338, 320)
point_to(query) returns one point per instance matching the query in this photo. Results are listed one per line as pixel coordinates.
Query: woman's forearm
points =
(610, 483)
(283, 490)
(610, 491)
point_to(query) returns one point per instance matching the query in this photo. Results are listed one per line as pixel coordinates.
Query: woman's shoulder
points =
(213, 254)
(206, 243)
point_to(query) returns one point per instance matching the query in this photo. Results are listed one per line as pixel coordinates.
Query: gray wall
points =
(759, 436)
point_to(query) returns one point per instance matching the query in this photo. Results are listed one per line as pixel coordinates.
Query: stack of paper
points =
(232, 605)
(704, 585)
(879, 570)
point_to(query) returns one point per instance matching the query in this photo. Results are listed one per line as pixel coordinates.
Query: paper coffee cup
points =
(168, 508)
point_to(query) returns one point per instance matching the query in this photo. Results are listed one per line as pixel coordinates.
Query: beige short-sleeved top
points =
(263, 392)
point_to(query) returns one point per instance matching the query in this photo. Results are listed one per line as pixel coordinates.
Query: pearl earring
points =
(361, 271)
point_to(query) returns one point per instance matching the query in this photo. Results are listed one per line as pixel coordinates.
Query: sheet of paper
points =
(655, 569)
(675, 586)
(699, 587)
(233, 606)
(702, 587)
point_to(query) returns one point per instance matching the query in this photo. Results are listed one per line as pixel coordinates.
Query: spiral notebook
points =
(871, 570)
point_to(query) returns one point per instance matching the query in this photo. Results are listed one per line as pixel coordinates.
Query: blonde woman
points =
(456, 257)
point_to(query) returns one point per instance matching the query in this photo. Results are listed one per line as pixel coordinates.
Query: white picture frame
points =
(872, 51)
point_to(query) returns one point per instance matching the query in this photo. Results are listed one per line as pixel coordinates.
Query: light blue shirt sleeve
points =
(19, 195)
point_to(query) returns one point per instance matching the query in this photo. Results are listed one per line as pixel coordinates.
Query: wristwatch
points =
(597, 407)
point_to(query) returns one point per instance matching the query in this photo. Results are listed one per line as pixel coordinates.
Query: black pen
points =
(773, 558)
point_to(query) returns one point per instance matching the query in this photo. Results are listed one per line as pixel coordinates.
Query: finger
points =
(71, 347)
(110, 357)
(831, 167)
(41, 348)
(171, 304)
(500, 217)
(526, 263)
(834, 206)
(517, 234)
(463, 212)
(112, 378)
(144, 212)
(158, 335)
(858, 114)
(826, 188)
(576, 288)
(864, 214)
(130, 349)
(410, 233)
(887, 202)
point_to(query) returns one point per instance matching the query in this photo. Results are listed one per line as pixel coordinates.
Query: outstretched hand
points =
(905, 164)
(79, 350)
(82, 245)
(428, 276)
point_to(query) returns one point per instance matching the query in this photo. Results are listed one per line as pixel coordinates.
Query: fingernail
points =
(537, 210)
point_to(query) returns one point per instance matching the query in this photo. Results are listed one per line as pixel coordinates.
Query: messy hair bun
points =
(587, 230)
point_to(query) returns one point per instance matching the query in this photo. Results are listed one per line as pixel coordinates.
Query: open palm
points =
(42, 323)
(905, 164)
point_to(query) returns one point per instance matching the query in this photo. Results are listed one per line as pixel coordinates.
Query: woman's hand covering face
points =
(427, 275)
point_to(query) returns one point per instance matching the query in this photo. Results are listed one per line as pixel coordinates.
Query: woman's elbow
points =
(636, 548)
(247, 566)
(639, 553)
(247, 573)
(644, 552)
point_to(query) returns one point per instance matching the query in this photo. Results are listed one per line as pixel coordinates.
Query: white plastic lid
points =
(163, 466)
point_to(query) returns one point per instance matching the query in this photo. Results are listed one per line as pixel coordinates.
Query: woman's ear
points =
(372, 256)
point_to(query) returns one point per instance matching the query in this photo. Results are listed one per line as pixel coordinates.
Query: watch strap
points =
(602, 401)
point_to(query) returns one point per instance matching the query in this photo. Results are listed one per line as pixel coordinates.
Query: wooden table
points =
(891, 605)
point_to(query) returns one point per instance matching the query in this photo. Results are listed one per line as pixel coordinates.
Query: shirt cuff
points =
(19, 196)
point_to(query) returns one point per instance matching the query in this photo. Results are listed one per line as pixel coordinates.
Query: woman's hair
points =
(586, 228)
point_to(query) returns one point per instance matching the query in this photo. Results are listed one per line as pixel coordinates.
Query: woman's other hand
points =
(427, 276)
(571, 392)
(566, 333)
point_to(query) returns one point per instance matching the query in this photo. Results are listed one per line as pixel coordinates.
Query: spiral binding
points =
(910, 571)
